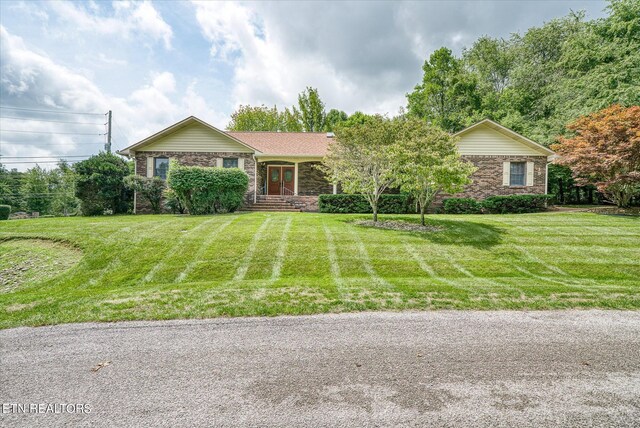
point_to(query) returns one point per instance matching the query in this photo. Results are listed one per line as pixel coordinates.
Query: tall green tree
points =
(290, 120)
(261, 118)
(312, 110)
(63, 184)
(36, 190)
(334, 118)
(447, 96)
(11, 188)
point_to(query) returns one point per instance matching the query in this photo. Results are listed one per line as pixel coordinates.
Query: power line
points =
(52, 111)
(37, 162)
(54, 121)
(42, 157)
(43, 132)
(59, 144)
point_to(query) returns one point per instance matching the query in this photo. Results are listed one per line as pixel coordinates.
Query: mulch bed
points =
(399, 225)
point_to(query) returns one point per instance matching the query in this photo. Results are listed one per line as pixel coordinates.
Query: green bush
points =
(100, 185)
(461, 206)
(345, 203)
(149, 188)
(5, 210)
(516, 204)
(173, 203)
(206, 190)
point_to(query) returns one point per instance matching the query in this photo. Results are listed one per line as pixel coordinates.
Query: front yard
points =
(159, 267)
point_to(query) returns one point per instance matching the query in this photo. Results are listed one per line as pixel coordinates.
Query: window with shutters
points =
(230, 163)
(160, 167)
(517, 174)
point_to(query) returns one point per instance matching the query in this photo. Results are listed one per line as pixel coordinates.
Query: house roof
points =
(303, 144)
(509, 133)
(285, 143)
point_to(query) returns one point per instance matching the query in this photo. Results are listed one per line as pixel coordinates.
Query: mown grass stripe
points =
(241, 272)
(174, 250)
(213, 235)
(366, 260)
(282, 249)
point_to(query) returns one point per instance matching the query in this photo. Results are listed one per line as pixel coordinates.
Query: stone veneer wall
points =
(311, 181)
(193, 159)
(487, 180)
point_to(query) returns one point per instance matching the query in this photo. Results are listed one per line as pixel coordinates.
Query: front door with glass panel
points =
(280, 180)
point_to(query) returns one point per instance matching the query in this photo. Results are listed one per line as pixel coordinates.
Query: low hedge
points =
(5, 210)
(461, 206)
(357, 204)
(516, 204)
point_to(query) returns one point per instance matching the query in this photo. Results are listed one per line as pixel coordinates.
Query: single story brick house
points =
(282, 165)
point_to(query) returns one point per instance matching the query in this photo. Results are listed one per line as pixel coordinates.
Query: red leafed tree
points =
(605, 151)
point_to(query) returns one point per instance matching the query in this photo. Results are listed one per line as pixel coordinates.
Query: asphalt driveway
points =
(560, 368)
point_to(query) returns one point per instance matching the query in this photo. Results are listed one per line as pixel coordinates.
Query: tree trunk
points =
(375, 214)
(422, 206)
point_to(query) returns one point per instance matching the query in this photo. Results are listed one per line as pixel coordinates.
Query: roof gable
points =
(490, 138)
(190, 135)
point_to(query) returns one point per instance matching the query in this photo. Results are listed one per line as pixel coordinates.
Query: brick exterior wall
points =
(192, 159)
(487, 180)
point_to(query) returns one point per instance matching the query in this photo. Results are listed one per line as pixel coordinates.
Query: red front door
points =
(280, 180)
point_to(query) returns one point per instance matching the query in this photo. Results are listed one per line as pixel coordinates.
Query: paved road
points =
(571, 368)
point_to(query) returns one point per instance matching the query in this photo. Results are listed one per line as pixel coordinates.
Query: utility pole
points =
(108, 145)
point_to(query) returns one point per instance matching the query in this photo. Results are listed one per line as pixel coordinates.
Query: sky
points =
(155, 63)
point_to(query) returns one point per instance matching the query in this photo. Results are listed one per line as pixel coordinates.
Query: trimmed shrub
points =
(149, 188)
(357, 204)
(5, 210)
(461, 206)
(516, 204)
(207, 190)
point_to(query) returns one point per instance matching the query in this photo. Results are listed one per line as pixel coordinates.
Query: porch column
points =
(295, 178)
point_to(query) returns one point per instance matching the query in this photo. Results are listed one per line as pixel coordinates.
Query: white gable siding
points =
(195, 138)
(485, 141)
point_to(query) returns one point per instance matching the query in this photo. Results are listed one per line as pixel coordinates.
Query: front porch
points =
(282, 183)
(277, 177)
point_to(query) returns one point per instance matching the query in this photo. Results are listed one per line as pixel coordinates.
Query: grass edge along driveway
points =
(166, 267)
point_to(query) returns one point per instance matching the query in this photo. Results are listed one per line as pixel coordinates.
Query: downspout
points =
(255, 178)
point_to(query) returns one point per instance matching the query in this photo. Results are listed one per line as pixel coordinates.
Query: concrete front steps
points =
(272, 203)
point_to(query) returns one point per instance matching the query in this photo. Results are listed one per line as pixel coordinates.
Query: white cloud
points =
(361, 56)
(128, 18)
(33, 80)
(266, 71)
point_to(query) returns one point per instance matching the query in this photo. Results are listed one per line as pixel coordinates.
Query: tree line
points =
(536, 83)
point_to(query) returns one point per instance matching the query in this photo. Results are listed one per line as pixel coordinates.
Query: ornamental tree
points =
(605, 151)
(427, 162)
(362, 159)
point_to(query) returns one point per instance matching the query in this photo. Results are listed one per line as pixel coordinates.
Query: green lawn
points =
(159, 267)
